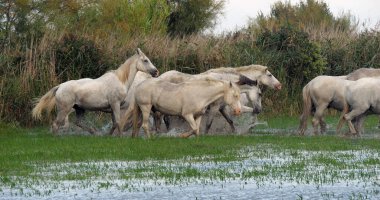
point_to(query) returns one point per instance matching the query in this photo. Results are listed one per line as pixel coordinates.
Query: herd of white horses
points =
(135, 91)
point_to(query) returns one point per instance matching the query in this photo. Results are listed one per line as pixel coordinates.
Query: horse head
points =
(268, 79)
(144, 64)
(253, 94)
(232, 97)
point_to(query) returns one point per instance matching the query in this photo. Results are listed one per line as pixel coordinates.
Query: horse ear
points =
(138, 51)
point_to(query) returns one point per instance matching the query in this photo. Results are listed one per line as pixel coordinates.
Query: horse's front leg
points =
(228, 118)
(210, 116)
(116, 118)
(352, 115)
(145, 109)
(193, 124)
(113, 125)
(198, 122)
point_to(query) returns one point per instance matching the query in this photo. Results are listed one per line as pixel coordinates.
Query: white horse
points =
(252, 92)
(179, 77)
(188, 99)
(319, 94)
(361, 99)
(325, 92)
(253, 72)
(101, 94)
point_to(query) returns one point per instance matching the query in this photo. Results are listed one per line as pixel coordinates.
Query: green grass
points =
(20, 147)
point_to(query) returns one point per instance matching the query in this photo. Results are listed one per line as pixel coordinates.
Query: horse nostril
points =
(155, 73)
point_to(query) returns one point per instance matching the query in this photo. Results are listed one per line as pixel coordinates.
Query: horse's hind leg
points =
(167, 122)
(318, 116)
(359, 124)
(63, 111)
(323, 125)
(79, 113)
(157, 120)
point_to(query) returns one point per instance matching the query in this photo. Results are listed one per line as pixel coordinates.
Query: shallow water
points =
(260, 172)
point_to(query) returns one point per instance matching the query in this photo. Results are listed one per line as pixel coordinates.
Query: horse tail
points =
(136, 113)
(307, 106)
(46, 102)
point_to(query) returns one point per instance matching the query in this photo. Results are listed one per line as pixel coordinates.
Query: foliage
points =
(311, 16)
(79, 58)
(192, 16)
(299, 56)
(47, 42)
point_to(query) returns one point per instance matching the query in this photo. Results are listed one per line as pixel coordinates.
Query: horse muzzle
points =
(237, 111)
(154, 73)
(278, 86)
(256, 110)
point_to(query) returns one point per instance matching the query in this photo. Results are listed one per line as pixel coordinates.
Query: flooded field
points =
(264, 162)
(262, 171)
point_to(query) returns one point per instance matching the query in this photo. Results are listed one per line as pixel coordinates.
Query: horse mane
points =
(251, 67)
(239, 69)
(122, 72)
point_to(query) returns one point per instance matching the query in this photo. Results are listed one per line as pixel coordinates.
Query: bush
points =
(298, 56)
(78, 57)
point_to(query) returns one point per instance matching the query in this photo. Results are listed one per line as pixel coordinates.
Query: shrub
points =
(299, 57)
(78, 57)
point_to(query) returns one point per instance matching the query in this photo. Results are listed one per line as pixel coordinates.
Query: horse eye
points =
(270, 75)
(145, 60)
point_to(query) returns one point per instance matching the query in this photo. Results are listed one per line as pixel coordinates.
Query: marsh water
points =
(258, 172)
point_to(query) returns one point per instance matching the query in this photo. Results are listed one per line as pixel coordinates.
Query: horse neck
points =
(127, 71)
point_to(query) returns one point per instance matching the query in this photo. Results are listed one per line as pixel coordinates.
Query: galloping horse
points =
(325, 92)
(252, 91)
(101, 94)
(363, 98)
(319, 94)
(253, 72)
(187, 99)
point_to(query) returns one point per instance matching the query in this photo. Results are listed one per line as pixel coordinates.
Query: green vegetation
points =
(19, 148)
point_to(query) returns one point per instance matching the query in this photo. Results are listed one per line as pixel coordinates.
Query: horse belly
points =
(169, 107)
(338, 105)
